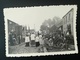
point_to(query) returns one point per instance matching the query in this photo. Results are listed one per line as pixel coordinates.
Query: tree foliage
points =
(50, 24)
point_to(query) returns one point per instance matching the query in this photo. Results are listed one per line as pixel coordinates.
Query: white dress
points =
(37, 39)
(27, 39)
(32, 36)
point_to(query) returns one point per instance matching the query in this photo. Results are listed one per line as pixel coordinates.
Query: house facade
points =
(68, 22)
(15, 29)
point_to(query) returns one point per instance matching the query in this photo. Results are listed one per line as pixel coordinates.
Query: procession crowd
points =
(49, 42)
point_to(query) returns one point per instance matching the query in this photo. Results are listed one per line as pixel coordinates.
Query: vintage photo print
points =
(40, 30)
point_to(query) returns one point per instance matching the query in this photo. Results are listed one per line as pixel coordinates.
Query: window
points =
(10, 22)
(69, 28)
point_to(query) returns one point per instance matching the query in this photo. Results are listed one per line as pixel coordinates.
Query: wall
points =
(18, 30)
(68, 20)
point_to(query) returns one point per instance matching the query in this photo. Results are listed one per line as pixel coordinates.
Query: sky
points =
(35, 16)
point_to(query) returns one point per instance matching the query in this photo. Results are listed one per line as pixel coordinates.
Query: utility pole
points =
(34, 28)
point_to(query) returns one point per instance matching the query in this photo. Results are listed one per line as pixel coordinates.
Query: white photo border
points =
(47, 53)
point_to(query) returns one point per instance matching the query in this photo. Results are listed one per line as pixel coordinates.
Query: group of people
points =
(40, 41)
(45, 42)
(12, 38)
(31, 40)
(63, 41)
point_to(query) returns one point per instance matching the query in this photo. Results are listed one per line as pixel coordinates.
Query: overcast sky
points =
(35, 15)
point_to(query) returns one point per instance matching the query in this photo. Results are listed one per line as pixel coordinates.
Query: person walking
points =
(37, 41)
(27, 40)
(32, 39)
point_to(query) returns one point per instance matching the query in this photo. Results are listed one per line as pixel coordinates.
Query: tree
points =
(53, 28)
(43, 27)
(56, 20)
(50, 24)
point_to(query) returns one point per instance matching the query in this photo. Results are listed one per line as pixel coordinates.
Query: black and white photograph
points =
(40, 30)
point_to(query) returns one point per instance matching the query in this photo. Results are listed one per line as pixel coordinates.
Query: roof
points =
(67, 13)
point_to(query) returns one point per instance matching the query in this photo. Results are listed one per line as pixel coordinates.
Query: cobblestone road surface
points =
(21, 49)
(18, 49)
